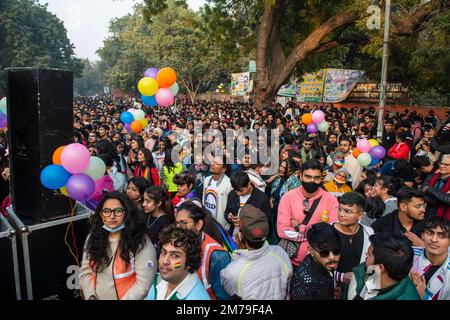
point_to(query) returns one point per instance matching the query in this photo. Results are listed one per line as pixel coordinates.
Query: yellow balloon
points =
(148, 86)
(373, 143)
(64, 191)
(144, 123)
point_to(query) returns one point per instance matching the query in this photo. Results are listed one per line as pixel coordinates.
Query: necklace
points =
(351, 236)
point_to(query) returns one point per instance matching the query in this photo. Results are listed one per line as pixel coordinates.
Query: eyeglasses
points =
(346, 211)
(326, 253)
(421, 206)
(444, 164)
(118, 212)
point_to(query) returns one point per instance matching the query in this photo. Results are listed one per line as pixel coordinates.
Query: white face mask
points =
(372, 283)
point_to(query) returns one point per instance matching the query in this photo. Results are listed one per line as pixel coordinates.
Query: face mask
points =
(110, 230)
(310, 187)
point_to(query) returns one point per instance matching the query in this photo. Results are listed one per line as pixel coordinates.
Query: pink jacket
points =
(291, 207)
(104, 183)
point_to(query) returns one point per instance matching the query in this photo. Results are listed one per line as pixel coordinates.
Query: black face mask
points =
(310, 187)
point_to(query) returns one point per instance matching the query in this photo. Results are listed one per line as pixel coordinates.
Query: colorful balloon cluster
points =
(315, 122)
(74, 172)
(134, 120)
(3, 112)
(158, 87)
(368, 152)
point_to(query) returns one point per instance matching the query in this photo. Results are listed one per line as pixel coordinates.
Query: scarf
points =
(442, 211)
(142, 172)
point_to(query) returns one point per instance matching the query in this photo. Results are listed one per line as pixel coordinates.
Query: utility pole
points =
(384, 69)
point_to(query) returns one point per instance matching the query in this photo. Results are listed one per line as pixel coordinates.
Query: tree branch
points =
(310, 44)
(408, 25)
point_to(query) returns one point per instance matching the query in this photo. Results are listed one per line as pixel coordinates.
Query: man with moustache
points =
(313, 279)
(178, 262)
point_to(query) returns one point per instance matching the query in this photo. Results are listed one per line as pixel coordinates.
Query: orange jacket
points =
(124, 276)
(209, 245)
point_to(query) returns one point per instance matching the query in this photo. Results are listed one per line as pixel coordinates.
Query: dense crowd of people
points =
(224, 201)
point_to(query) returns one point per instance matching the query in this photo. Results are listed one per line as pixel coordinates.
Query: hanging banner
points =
(311, 89)
(240, 84)
(291, 89)
(339, 83)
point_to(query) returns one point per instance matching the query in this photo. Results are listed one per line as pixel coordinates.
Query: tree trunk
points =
(273, 69)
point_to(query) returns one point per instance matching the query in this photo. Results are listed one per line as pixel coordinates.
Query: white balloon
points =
(139, 115)
(174, 89)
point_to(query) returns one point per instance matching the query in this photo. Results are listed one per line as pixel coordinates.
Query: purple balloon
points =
(151, 72)
(3, 120)
(128, 127)
(378, 152)
(80, 187)
(311, 128)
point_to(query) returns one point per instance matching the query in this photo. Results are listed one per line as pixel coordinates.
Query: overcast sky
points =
(87, 21)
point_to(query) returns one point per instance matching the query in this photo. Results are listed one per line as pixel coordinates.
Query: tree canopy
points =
(175, 38)
(287, 37)
(31, 36)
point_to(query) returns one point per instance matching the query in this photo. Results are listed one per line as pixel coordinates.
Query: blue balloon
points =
(149, 101)
(127, 117)
(374, 162)
(54, 176)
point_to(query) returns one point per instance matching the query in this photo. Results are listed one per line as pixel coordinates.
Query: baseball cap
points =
(253, 224)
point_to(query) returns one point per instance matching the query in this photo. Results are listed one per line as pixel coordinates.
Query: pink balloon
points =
(363, 145)
(164, 97)
(318, 116)
(75, 158)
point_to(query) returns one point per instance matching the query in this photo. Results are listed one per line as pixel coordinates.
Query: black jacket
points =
(257, 199)
(311, 281)
(390, 223)
(434, 197)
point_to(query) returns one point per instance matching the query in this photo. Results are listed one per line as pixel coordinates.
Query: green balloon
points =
(3, 106)
(96, 168)
(323, 126)
(364, 159)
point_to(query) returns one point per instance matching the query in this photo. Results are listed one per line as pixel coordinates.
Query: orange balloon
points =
(166, 77)
(307, 118)
(136, 126)
(356, 153)
(57, 155)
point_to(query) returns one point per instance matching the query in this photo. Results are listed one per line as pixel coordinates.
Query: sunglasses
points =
(326, 253)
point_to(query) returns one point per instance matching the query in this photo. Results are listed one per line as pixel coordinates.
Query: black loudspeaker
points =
(40, 119)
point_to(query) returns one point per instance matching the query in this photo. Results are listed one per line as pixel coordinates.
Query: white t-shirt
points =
(242, 201)
(212, 198)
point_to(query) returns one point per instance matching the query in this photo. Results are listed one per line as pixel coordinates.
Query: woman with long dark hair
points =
(170, 170)
(214, 256)
(159, 212)
(119, 260)
(135, 190)
(145, 167)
